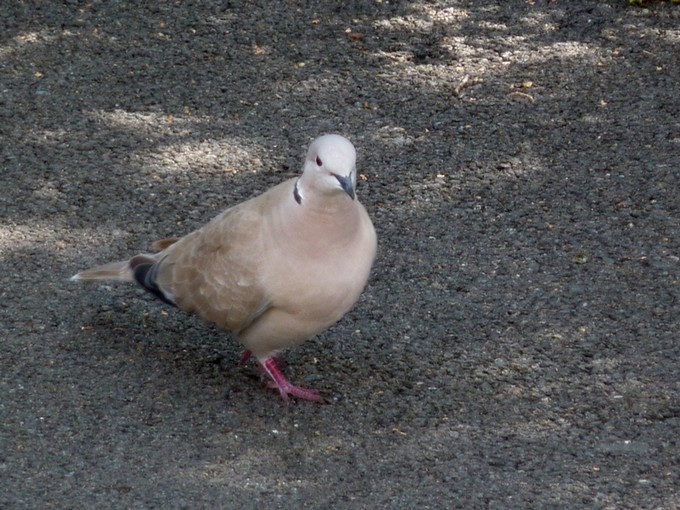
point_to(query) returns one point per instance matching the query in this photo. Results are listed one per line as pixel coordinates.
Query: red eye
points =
(318, 161)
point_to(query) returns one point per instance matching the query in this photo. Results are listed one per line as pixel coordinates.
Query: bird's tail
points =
(121, 271)
(117, 271)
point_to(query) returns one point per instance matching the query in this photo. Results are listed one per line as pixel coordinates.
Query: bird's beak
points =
(346, 184)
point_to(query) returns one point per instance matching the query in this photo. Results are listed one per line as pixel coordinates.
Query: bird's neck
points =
(308, 216)
(312, 200)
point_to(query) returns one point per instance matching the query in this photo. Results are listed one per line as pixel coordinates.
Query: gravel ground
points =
(517, 345)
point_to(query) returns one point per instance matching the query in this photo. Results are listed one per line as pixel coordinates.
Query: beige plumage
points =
(274, 270)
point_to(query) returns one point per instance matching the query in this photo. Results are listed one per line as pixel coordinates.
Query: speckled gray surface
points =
(517, 346)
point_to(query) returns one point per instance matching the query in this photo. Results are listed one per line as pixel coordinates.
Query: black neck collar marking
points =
(296, 193)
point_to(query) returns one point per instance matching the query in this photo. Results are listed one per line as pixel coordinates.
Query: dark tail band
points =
(145, 275)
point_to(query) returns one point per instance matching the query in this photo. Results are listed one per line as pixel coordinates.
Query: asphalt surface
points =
(517, 345)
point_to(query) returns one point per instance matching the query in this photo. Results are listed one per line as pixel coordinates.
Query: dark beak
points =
(346, 184)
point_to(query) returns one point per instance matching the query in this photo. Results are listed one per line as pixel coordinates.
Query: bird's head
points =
(330, 167)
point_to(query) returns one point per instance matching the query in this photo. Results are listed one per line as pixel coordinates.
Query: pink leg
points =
(285, 387)
(246, 356)
(280, 362)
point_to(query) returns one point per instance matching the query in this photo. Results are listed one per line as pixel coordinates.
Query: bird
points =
(274, 270)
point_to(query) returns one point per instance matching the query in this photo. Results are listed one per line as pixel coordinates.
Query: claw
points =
(286, 389)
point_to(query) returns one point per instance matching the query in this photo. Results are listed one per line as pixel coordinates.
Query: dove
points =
(274, 270)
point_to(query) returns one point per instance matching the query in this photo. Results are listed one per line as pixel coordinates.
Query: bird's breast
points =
(324, 275)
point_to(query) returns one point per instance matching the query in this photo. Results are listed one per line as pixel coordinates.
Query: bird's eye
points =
(318, 161)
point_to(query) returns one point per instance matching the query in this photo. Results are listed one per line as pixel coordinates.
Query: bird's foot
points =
(287, 389)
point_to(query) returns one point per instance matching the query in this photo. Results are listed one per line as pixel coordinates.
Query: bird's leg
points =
(246, 356)
(280, 362)
(285, 387)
